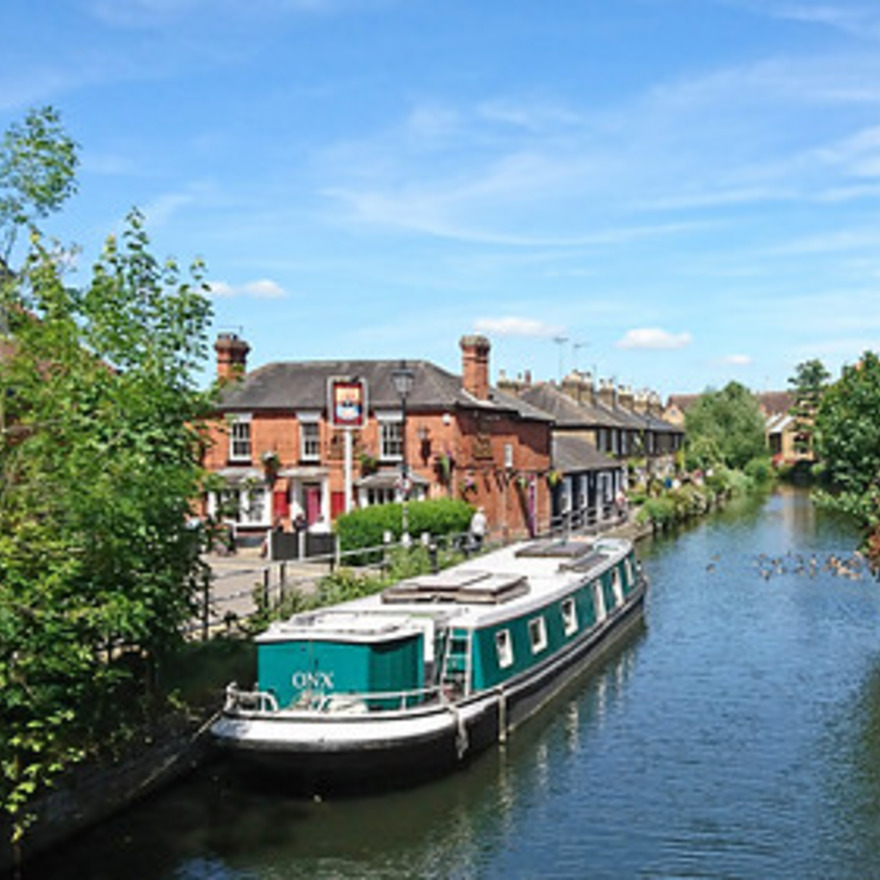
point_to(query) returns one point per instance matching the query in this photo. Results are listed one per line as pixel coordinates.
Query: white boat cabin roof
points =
(493, 587)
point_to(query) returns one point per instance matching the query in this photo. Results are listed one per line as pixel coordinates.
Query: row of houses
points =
(299, 443)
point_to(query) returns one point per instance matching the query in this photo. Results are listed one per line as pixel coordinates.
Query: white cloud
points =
(512, 326)
(653, 338)
(263, 288)
(847, 18)
(155, 13)
(737, 360)
(164, 207)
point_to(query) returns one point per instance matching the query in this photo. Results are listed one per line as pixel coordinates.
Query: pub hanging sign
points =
(348, 402)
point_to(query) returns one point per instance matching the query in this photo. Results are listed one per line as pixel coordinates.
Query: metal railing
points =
(343, 701)
(275, 581)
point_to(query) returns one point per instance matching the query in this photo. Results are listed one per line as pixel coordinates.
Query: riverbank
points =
(735, 736)
(92, 793)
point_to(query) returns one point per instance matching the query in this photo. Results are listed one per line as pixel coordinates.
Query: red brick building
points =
(281, 458)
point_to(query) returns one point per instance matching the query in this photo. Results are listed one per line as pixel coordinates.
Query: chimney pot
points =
(475, 365)
(232, 355)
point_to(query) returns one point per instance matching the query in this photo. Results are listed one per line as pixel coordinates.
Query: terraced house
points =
(602, 437)
(284, 457)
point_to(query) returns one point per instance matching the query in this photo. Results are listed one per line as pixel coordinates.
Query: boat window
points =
(569, 617)
(504, 648)
(599, 601)
(538, 634)
(617, 587)
(628, 567)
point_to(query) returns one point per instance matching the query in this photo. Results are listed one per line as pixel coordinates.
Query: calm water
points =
(736, 736)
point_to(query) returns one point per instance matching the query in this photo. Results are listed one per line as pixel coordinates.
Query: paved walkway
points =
(238, 575)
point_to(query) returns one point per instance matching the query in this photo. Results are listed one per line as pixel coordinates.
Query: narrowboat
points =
(414, 680)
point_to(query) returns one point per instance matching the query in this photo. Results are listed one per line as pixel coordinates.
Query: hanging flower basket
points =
(369, 464)
(443, 464)
(271, 464)
(554, 478)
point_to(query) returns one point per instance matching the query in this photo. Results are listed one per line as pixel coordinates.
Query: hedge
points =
(367, 527)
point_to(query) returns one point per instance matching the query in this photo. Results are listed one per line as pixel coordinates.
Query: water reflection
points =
(737, 735)
(222, 826)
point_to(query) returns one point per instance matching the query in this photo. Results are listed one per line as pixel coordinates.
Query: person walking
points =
(478, 529)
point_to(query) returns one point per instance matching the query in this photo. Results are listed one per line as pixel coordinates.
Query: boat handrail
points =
(264, 701)
(401, 699)
(258, 701)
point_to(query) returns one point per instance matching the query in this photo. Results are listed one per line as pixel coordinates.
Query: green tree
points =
(725, 427)
(38, 162)
(847, 442)
(99, 465)
(808, 384)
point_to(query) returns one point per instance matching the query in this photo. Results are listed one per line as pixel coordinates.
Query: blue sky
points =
(673, 193)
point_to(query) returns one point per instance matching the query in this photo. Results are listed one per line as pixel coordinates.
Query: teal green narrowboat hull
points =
(413, 683)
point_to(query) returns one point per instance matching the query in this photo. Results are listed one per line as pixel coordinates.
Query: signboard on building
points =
(348, 403)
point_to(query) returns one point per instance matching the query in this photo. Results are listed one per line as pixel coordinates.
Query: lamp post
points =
(403, 378)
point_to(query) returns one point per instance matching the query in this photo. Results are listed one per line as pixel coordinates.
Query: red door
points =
(313, 503)
(337, 504)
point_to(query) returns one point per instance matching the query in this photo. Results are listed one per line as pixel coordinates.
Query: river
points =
(737, 735)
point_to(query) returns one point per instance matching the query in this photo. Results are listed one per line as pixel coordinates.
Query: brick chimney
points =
(232, 355)
(607, 394)
(475, 365)
(579, 387)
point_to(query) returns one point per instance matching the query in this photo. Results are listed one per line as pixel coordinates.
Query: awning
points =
(304, 473)
(388, 480)
(238, 475)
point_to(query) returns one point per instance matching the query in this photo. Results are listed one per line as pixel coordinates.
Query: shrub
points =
(760, 470)
(367, 527)
(660, 512)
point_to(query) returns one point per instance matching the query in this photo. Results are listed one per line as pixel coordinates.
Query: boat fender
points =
(461, 737)
(502, 716)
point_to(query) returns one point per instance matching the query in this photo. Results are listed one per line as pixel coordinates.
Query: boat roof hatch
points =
(458, 585)
(586, 563)
(334, 625)
(564, 549)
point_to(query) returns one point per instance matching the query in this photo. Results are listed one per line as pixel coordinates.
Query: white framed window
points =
(617, 587)
(244, 506)
(628, 568)
(390, 438)
(309, 438)
(569, 617)
(254, 507)
(504, 648)
(537, 634)
(240, 438)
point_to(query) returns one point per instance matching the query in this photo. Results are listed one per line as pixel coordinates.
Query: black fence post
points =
(206, 607)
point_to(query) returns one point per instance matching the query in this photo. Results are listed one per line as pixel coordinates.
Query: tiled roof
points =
(565, 411)
(776, 402)
(682, 401)
(771, 402)
(303, 385)
(571, 454)
(569, 413)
